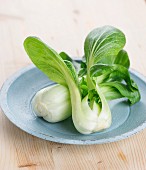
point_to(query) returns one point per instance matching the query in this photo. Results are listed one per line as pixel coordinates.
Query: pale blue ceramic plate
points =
(17, 93)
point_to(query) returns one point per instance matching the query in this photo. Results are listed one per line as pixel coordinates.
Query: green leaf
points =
(83, 69)
(111, 75)
(103, 42)
(72, 71)
(82, 72)
(83, 87)
(132, 95)
(122, 59)
(48, 61)
(110, 93)
(66, 57)
(113, 72)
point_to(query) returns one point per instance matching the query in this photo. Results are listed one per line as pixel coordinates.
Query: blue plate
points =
(17, 93)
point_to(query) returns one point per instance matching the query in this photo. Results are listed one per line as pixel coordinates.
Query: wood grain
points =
(64, 25)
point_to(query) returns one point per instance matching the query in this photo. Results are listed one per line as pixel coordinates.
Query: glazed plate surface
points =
(17, 93)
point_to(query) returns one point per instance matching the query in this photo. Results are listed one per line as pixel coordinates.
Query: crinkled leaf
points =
(113, 72)
(111, 75)
(132, 95)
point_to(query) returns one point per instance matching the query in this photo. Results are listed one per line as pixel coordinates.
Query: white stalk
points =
(85, 119)
(52, 103)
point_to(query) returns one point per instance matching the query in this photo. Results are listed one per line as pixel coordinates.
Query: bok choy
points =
(84, 93)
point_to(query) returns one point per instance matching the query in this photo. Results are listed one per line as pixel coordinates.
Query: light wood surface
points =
(64, 24)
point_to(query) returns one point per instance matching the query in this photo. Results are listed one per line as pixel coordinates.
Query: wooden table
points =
(64, 25)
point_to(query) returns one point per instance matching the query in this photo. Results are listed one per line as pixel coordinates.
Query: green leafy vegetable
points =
(103, 76)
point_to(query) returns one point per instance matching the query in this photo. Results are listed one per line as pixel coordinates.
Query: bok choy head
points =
(52, 103)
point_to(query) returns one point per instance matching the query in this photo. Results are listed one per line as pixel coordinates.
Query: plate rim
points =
(6, 110)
